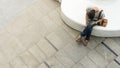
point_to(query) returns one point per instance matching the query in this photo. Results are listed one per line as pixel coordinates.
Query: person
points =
(93, 16)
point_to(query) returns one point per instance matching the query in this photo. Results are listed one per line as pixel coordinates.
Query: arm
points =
(86, 20)
(95, 22)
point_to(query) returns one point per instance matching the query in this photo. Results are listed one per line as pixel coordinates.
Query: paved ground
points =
(36, 37)
(10, 8)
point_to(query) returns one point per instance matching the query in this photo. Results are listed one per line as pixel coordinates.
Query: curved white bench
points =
(73, 13)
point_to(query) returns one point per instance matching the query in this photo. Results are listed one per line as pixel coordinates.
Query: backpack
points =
(99, 16)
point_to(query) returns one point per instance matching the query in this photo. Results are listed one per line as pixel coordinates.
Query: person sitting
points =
(93, 16)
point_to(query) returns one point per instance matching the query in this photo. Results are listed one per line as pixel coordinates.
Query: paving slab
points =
(29, 60)
(32, 14)
(7, 65)
(12, 47)
(118, 59)
(31, 34)
(4, 34)
(16, 26)
(3, 58)
(37, 10)
(113, 65)
(78, 65)
(65, 59)
(113, 45)
(116, 39)
(43, 65)
(54, 63)
(97, 59)
(25, 40)
(46, 47)
(88, 63)
(55, 16)
(9, 9)
(98, 39)
(49, 25)
(59, 38)
(105, 52)
(25, 28)
(46, 6)
(52, 4)
(92, 44)
(74, 33)
(37, 53)
(18, 63)
(76, 51)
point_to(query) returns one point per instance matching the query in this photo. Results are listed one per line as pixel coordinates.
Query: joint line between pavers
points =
(47, 64)
(109, 48)
(112, 52)
(117, 62)
(51, 44)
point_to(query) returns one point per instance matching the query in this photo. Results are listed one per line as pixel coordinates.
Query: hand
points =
(94, 23)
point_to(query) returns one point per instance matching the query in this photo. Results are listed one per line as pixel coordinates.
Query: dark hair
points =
(91, 14)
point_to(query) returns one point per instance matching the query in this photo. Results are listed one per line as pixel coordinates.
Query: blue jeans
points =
(87, 31)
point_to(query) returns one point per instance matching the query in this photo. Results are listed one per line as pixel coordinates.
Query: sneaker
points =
(85, 42)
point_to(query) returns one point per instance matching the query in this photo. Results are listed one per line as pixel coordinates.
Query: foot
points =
(78, 38)
(85, 42)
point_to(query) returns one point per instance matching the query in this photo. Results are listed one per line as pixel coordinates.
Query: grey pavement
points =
(35, 36)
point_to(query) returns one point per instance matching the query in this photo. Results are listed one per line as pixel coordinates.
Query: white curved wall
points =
(73, 13)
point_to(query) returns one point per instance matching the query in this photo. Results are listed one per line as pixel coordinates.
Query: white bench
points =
(73, 13)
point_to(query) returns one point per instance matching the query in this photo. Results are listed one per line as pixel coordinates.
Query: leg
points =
(88, 34)
(85, 42)
(80, 35)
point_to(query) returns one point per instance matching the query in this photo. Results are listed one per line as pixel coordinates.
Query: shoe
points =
(85, 42)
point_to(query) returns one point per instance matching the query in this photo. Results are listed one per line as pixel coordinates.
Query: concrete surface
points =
(38, 38)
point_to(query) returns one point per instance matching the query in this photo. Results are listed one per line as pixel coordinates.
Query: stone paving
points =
(38, 38)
